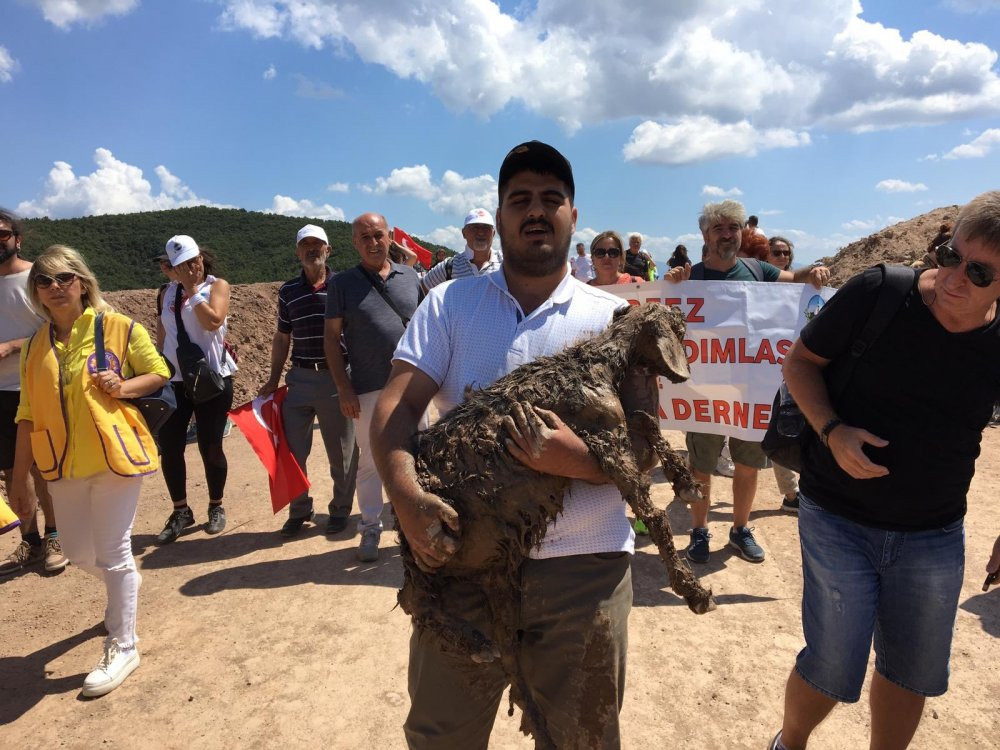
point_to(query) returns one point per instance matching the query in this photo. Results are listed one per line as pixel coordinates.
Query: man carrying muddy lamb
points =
(576, 586)
(721, 225)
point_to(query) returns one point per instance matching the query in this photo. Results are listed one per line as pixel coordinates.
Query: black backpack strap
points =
(182, 334)
(894, 287)
(754, 267)
(448, 265)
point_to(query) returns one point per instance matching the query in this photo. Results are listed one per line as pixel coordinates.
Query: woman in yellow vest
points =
(92, 446)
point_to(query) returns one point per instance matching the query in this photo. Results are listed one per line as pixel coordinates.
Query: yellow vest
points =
(127, 446)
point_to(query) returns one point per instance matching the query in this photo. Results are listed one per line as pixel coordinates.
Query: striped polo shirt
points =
(301, 313)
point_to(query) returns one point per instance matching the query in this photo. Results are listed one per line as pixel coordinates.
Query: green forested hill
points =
(249, 246)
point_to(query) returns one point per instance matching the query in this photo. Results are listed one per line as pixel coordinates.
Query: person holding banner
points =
(478, 258)
(886, 471)
(312, 394)
(90, 444)
(608, 257)
(721, 227)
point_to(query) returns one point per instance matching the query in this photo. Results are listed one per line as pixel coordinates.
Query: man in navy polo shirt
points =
(312, 394)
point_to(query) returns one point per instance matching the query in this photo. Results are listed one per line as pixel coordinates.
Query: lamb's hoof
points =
(690, 495)
(487, 655)
(702, 603)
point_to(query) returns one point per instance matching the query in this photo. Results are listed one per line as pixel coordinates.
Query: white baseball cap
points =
(311, 230)
(180, 249)
(478, 216)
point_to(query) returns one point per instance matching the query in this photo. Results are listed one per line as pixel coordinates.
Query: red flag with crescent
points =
(260, 422)
(423, 254)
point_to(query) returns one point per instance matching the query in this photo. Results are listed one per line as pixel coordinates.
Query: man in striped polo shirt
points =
(478, 257)
(312, 394)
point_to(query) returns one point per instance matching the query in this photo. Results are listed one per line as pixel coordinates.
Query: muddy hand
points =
(434, 534)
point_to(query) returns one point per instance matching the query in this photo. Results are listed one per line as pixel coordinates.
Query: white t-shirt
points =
(474, 332)
(17, 321)
(583, 267)
(211, 342)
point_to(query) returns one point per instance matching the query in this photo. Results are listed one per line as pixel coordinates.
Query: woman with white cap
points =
(203, 301)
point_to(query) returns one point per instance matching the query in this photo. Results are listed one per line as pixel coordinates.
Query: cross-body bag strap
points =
(182, 334)
(102, 362)
(380, 288)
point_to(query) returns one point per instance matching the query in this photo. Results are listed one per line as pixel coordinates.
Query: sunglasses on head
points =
(62, 279)
(611, 252)
(980, 275)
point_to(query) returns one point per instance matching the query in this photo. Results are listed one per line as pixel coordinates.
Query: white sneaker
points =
(115, 665)
(725, 468)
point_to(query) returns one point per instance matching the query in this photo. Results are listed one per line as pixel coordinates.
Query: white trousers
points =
(95, 527)
(369, 488)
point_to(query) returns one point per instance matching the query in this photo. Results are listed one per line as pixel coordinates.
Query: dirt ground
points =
(252, 641)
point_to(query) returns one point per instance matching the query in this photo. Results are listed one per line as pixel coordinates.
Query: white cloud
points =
(113, 188)
(454, 194)
(978, 147)
(65, 13)
(7, 65)
(669, 66)
(900, 186)
(699, 138)
(859, 225)
(309, 89)
(973, 6)
(271, 73)
(717, 192)
(286, 206)
(449, 236)
(338, 187)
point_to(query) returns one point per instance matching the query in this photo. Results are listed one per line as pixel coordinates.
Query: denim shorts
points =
(900, 587)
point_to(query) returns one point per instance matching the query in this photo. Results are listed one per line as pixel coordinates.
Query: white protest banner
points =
(738, 333)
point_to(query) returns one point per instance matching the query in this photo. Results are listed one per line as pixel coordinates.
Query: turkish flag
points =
(260, 422)
(423, 254)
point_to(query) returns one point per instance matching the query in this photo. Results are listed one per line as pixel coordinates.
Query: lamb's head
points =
(655, 333)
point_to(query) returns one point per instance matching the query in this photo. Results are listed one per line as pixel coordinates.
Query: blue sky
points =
(828, 118)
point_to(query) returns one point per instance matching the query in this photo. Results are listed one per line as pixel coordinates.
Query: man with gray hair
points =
(721, 225)
(478, 258)
(370, 305)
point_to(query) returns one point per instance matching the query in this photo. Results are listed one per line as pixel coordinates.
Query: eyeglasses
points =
(6, 234)
(979, 274)
(611, 252)
(63, 279)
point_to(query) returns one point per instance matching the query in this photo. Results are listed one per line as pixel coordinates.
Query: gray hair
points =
(727, 209)
(980, 219)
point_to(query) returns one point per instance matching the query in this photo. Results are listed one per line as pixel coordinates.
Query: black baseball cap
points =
(535, 156)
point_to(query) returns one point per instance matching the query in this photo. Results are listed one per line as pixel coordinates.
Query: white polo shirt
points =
(472, 331)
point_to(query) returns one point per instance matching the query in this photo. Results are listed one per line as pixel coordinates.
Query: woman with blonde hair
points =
(607, 254)
(89, 443)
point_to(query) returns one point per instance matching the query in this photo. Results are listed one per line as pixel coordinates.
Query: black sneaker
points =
(697, 550)
(216, 519)
(293, 526)
(176, 523)
(336, 524)
(742, 541)
(792, 506)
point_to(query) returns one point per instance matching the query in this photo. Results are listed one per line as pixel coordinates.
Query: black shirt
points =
(927, 391)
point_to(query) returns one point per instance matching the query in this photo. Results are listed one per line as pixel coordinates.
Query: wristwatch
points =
(824, 434)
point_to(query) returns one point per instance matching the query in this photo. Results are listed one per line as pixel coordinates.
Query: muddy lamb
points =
(605, 390)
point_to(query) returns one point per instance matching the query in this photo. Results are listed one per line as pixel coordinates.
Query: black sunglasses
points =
(611, 252)
(948, 257)
(62, 279)
(6, 234)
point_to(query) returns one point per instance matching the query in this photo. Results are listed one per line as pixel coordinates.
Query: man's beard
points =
(727, 253)
(7, 253)
(535, 260)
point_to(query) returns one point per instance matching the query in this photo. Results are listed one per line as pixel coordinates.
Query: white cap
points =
(181, 249)
(311, 230)
(478, 216)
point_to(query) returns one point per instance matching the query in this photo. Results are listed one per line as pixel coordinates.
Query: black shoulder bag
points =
(155, 407)
(201, 382)
(380, 288)
(788, 429)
